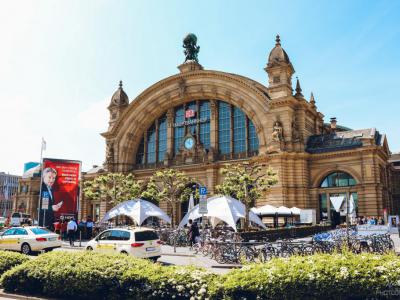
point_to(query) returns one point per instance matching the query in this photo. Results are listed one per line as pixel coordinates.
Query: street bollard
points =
(80, 238)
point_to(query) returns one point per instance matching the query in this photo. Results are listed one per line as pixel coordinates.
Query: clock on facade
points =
(188, 143)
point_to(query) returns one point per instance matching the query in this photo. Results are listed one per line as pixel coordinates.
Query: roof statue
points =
(191, 49)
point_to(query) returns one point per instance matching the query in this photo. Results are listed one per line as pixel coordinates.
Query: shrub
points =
(9, 260)
(170, 282)
(323, 276)
(83, 275)
(88, 275)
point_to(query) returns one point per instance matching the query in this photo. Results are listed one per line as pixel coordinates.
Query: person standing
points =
(89, 227)
(71, 228)
(193, 232)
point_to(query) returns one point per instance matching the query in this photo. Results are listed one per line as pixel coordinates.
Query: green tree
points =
(169, 185)
(116, 187)
(246, 182)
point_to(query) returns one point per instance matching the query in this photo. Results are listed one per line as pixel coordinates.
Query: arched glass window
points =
(338, 179)
(236, 136)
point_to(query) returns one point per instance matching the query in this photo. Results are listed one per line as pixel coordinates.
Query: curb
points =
(226, 266)
(178, 254)
(18, 297)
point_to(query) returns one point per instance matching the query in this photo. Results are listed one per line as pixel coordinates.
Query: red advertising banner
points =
(59, 190)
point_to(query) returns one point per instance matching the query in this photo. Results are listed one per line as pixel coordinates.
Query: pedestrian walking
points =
(71, 228)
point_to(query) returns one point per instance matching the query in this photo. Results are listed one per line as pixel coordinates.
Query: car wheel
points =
(26, 249)
(154, 259)
(89, 248)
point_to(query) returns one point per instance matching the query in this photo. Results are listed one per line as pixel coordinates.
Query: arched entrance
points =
(334, 189)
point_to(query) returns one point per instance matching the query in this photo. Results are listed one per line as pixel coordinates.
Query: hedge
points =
(88, 275)
(322, 276)
(9, 260)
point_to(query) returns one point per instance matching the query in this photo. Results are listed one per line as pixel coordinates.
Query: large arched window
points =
(234, 133)
(338, 179)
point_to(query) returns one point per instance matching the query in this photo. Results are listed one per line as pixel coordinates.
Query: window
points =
(179, 131)
(119, 235)
(39, 230)
(239, 131)
(20, 231)
(140, 153)
(9, 232)
(236, 133)
(162, 138)
(224, 127)
(338, 179)
(105, 236)
(204, 133)
(192, 106)
(151, 145)
(253, 139)
(148, 235)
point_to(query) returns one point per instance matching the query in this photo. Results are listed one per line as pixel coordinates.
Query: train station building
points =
(199, 119)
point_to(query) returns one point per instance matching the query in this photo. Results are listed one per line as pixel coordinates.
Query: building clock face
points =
(188, 143)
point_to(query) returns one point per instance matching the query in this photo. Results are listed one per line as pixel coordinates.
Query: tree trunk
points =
(173, 219)
(247, 218)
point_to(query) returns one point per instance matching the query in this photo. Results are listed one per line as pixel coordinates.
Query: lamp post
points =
(347, 216)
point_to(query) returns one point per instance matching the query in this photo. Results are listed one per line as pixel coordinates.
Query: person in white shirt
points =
(71, 229)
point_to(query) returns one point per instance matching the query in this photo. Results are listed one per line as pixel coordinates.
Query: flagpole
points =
(41, 178)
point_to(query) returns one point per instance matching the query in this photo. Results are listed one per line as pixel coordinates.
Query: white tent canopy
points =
(137, 209)
(295, 210)
(269, 210)
(222, 208)
(283, 210)
(265, 210)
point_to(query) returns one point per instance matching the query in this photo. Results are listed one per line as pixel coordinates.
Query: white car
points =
(140, 242)
(29, 239)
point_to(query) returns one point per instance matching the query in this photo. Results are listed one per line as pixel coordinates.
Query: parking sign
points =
(203, 190)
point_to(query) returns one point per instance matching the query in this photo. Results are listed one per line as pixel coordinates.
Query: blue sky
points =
(60, 62)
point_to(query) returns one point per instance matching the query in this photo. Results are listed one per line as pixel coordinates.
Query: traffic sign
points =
(203, 190)
(203, 205)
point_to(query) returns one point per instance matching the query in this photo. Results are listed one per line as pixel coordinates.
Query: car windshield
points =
(38, 230)
(15, 215)
(145, 236)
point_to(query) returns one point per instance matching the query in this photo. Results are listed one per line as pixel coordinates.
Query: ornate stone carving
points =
(182, 88)
(295, 131)
(277, 133)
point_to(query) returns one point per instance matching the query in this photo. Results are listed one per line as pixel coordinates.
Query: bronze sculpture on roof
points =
(191, 49)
